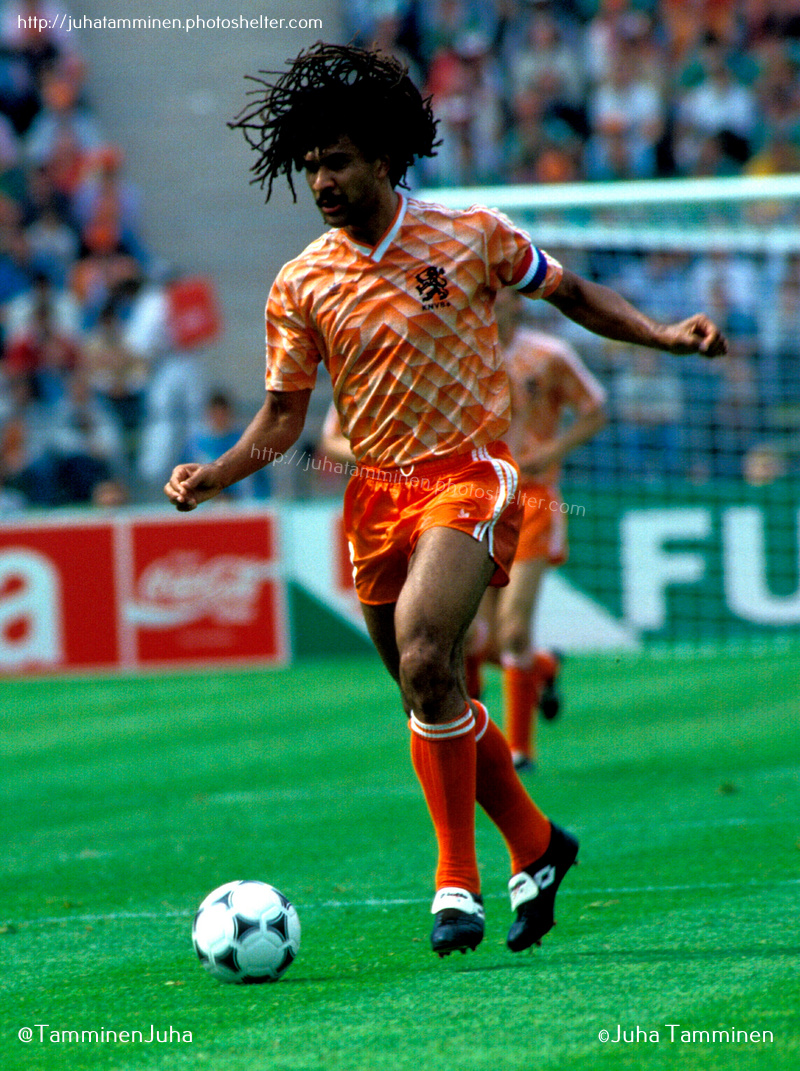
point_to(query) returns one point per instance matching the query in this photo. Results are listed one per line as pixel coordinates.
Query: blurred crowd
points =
(563, 90)
(99, 393)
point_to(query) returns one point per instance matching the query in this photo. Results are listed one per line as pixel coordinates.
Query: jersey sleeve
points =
(292, 354)
(513, 259)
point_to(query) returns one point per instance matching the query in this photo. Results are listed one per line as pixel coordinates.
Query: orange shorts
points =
(387, 510)
(544, 526)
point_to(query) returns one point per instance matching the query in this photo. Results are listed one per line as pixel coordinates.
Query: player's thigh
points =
(517, 601)
(447, 576)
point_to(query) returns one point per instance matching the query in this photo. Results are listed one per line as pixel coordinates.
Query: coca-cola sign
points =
(206, 587)
(186, 586)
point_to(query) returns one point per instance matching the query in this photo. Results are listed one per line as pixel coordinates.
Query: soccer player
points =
(547, 378)
(396, 300)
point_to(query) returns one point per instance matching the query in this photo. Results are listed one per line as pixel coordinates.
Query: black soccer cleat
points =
(459, 921)
(533, 891)
(550, 699)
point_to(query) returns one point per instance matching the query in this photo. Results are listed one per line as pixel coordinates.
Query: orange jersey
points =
(406, 329)
(547, 377)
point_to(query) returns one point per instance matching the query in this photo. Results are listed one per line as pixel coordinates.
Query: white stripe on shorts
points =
(507, 480)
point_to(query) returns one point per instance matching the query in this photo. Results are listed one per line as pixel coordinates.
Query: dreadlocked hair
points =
(329, 92)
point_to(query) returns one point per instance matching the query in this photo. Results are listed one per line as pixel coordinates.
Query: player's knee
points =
(514, 639)
(426, 676)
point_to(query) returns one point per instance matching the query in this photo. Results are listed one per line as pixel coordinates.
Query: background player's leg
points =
(522, 681)
(481, 643)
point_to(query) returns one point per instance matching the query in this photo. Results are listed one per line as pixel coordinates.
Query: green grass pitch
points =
(125, 801)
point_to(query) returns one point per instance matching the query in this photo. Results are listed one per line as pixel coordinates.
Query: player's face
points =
(346, 186)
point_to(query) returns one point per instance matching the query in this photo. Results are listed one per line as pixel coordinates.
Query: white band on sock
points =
(444, 730)
(522, 661)
(481, 719)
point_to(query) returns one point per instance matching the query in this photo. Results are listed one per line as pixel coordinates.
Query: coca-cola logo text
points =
(186, 586)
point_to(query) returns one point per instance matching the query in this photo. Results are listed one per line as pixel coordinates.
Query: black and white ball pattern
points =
(246, 931)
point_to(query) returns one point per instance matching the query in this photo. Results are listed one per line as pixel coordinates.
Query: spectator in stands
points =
(16, 273)
(106, 206)
(538, 146)
(764, 464)
(19, 97)
(661, 278)
(727, 285)
(9, 149)
(63, 309)
(613, 22)
(176, 393)
(442, 23)
(86, 441)
(650, 409)
(777, 141)
(53, 245)
(26, 463)
(718, 105)
(41, 196)
(11, 502)
(771, 19)
(220, 431)
(44, 352)
(62, 122)
(110, 494)
(738, 421)
(545, 59)
(35, 30)
(626, 120)
(687, 23)
(466, 83)
(115, 373)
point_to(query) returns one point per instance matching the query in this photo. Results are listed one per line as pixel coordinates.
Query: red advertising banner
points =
(58, 601)
(141, 591)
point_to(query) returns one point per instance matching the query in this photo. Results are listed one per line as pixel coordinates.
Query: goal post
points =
(684, 513)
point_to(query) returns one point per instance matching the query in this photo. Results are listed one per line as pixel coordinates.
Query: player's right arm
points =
(272, 431)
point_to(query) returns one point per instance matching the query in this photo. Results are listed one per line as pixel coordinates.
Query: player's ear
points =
(382, 167)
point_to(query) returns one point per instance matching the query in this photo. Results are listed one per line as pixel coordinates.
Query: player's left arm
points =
(582, 394)
(605, 312)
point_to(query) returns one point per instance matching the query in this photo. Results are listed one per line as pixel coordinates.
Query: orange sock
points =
(500, 792)
(545, 665)
(443, 757)
(474, 677)
(521, 690)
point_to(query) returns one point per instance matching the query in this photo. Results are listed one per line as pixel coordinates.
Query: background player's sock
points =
(500, 792)
(546, 665)
(522, 685)
(443, 757)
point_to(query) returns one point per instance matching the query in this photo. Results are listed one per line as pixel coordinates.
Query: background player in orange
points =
(397, 301)
(547, 379)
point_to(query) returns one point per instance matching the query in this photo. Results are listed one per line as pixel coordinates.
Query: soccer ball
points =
(246, 931)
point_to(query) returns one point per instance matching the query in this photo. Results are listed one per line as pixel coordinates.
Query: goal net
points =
(684, 513)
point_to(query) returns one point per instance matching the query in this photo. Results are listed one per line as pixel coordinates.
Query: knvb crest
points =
(432, 286)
